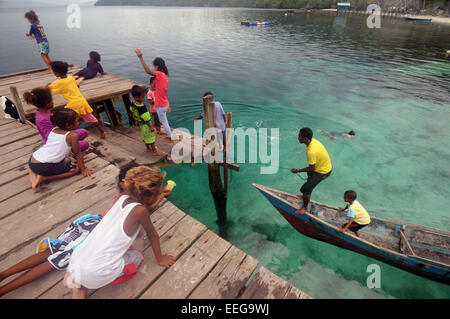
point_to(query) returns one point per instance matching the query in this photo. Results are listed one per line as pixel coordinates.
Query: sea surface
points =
(390, 85)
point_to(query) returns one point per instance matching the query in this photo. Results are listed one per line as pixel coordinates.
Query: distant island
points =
(277, 4)
(417, 6)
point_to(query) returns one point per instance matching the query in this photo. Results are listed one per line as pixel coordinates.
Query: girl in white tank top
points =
(101, 258)
(48, 162)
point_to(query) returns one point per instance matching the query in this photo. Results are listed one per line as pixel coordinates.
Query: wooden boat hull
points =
(416, 19)
(312, 226)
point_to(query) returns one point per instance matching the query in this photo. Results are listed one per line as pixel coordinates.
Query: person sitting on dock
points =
(358, 216)
(333, 135)
(143, 118)
(93, 67)
(319, 165)
(49, 162)
(91, 265)
(220, 119)
(68, 88)
(43, 100)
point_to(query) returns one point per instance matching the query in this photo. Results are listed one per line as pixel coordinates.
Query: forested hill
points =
(280, 4)
(414, 5)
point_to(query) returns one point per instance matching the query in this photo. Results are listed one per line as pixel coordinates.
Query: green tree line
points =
(282, 4)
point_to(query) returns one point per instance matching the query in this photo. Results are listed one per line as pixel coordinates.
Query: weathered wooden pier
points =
(207, 266)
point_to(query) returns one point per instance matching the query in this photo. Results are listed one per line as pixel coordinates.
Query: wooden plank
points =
(228, 278)
(18, 103)
(19, 167)
(19, 144)
(40, 217)
(29, 196)
(402, 234)
(114, 154)
(16, 186)
(266, 285)
(188, 271)
(41, 285)
(17, 157)
(26, 132)
(134, 146)
(9, 125)
(5, 121)
(5, 76)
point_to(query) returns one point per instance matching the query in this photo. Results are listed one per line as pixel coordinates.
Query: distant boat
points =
(416, 19)
(251, 23)
(421, 250)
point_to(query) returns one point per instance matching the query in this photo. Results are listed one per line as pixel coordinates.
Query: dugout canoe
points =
(421, 250)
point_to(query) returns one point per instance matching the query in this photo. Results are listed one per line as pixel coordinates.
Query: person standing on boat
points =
(358, 216)
(319, 165)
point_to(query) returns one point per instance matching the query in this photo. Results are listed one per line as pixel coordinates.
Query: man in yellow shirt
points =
(319, 165)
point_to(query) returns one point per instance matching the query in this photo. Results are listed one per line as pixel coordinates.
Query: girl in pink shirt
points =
(162, 104)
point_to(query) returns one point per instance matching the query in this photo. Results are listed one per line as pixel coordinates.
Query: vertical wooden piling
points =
(215, 180)
(226, 144)
(127, 102)
(18, 104)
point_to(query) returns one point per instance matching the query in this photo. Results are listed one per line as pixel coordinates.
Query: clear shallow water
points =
(390, 85)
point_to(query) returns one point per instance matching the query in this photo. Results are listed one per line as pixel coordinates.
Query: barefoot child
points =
(358, 216)
(162, 105)
(42, 99)
(93, 67)
(105, 255)
(143, 119)
(37, 32)
(151, 102)
(68, 88)
(48, 162)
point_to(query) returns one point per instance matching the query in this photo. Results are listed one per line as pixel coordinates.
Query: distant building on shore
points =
(343, 6)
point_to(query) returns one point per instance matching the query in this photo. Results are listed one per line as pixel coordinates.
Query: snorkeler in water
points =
(333, 135)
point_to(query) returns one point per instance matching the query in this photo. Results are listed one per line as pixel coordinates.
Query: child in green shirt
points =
(143, 118)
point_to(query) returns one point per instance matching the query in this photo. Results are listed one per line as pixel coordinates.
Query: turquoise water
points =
(389, 85)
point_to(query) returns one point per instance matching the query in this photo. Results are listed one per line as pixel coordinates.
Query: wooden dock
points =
(207, 266)
(100, 92)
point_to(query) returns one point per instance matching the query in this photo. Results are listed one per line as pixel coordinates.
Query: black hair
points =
(63, 117)
(137, 91)
(39, 97)
(152, 79)
(351, 133)
(350, 195)
(306, 132)
(207, 93)
(123, 172)
(60, 67)
(159, 62)
(95, 56)
(32, 16)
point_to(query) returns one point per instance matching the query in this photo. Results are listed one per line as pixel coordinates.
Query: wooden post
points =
(215, 180)
(229, 124)
(402, 234)
(127, 101)
(18, 103)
